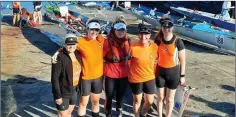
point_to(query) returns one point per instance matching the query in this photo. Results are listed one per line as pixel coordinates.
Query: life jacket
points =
(168, 54)
(115, 44)
(15, 5)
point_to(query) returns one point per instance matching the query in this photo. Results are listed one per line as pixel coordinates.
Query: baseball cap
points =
(93, 24)
(70, 39)
(143, 29)
(166, 22)
(120, 26)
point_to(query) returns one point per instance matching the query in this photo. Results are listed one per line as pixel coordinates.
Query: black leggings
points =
(115, 86)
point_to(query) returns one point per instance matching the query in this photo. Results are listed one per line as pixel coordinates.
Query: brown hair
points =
(158, 37)
(119, 19)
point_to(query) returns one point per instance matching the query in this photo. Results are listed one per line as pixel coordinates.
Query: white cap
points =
(93, 25)
(120, 26)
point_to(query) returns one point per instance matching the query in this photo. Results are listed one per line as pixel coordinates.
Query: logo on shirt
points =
(150, 56)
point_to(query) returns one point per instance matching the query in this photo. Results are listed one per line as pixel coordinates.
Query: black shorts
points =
(16, 10)
(68, 101)
(168, 77)
(91, 86)
(147, 87)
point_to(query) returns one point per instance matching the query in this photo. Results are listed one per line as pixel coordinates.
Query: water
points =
(28, 5)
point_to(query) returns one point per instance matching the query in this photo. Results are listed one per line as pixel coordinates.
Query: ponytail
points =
(158, 37)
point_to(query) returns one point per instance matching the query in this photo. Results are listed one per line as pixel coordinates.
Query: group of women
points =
(17, 11)
(142, 66)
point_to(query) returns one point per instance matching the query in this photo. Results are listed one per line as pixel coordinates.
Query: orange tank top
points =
(76, 69)
(15, 5)
(168, 54)
(76, 72)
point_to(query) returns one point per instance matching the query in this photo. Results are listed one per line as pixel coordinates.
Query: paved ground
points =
(26, 65)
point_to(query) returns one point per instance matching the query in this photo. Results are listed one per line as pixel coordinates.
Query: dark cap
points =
(166, 22)
(143, 29)
(70, 39)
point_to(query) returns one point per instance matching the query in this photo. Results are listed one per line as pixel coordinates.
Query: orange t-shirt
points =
(142, 66)
(91, 52)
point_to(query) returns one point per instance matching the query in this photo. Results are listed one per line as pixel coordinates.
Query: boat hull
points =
(220, 40)
(209, 18)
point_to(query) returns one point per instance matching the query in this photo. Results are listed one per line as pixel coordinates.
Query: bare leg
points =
(170, 101)
(63, 113)
(82, 105)
(35, 16)
(137, 103)
(70, 110)
(160, 95)
(148, 101)
(18, 19)
(14, 19)
(95, 102)
(40, 17)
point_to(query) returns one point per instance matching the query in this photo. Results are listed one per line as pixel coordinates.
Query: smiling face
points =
(144, 37)
(120, 33)
(70, 47)
(167, 30)
(93, 33)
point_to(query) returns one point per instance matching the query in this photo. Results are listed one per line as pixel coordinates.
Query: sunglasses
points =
(122, 29)
(95, 29)
(167, 25)
(145, 30)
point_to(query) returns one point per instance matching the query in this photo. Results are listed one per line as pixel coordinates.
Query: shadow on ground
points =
(228, 87)
(224, 107)
(36, 38)
(20, 92)
(186, 113)
(26, 97)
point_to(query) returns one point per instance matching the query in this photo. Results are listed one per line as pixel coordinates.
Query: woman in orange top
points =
(171, 65)
(16, 13)
(142, 73)
(91, 51)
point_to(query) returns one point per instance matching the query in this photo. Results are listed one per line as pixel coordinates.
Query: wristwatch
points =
(182, 75)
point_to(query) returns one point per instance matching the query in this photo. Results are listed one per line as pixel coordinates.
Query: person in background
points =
(16, 13)
(152, 12)
(65, 77)
(142, 71)
(226, 6)
(171, 65)
(37, 12)
(115, 51)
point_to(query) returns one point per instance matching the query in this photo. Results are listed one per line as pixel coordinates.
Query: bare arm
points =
(182, 59)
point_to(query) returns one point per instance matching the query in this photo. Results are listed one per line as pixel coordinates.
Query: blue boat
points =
(214, 19)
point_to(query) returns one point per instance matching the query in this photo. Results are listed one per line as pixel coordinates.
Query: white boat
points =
(202, 32)
(214, 19)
